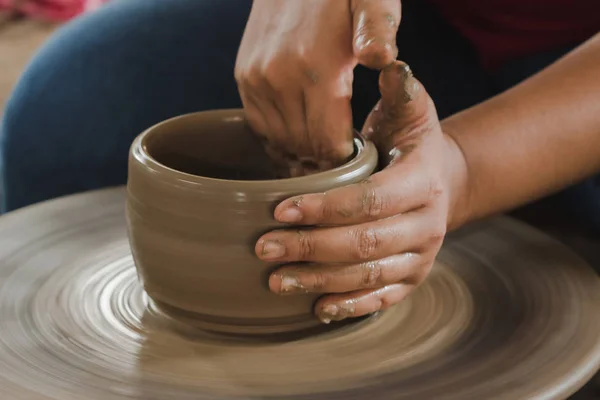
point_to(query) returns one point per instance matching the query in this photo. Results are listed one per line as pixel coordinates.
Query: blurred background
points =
(24, 25)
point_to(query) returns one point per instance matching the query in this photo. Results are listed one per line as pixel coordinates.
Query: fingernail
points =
(290, 215)
(336, 312)
(272, 250)
(291, 284)
(409, 82)
(328, 313)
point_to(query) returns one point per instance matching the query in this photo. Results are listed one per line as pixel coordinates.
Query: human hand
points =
(295, 70)
(375, 241)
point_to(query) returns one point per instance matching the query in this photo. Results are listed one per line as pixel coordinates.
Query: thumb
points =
(404, 100)
(404, 105)
(375, 25)
(405, 110)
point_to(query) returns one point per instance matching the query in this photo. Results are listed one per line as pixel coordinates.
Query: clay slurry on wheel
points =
(507, 313)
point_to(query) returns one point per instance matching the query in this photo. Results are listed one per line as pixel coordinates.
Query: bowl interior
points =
(212, 144)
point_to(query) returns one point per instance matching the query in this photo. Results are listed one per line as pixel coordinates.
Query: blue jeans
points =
(105, 77)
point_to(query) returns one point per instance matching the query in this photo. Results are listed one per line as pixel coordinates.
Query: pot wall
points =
(193, 237)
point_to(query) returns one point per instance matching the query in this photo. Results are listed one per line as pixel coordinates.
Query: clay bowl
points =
(201, 191)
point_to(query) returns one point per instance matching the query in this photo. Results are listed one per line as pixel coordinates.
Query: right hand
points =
(295, 70)
(367, 245)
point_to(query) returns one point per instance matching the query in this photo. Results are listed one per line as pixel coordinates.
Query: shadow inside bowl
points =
(225, 148)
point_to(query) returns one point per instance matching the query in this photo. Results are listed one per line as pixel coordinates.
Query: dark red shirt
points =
(501, 30)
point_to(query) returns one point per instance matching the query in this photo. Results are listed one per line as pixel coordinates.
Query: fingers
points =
(307, 124)
(375, 26)
(257, 119)
(263, 114)
(337, 307)
(403, 98)
(405, 112)
(357, 243)
(404, 116)
(323, 278)
(328, 113)
(381, 196)
(291, 102)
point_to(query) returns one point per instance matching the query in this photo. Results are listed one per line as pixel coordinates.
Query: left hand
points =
(295, 68)
(376, 240)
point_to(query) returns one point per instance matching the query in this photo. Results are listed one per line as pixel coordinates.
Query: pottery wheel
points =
(507, 313)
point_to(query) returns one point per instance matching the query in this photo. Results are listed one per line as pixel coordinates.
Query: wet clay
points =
(201, 191)
(507, 313)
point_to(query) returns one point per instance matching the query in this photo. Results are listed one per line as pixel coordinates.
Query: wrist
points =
(456, 172)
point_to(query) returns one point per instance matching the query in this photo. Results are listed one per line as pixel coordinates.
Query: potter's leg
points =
(104, 78)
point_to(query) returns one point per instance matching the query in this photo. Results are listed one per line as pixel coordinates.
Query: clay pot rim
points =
(365, 158)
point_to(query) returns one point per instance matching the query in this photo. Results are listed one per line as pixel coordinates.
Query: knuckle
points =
(246, 73)
(271, 72)
(436, 235)
(319, 281)
(385, 302)
(372, 202)
(326, 210)
(367, 243)
(434, 190)
(278, 71)
(370, 274)
(306, 245)
(252, 78)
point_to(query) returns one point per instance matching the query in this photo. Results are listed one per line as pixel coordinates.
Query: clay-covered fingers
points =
(329, 121)
(375, 25)
(264, 115)
(294, 72)
(381, 196)
(405, 113)
(337, 307)
(307, 120)
(257, 118)
(342, 278)
(274, 107)
(356, 243)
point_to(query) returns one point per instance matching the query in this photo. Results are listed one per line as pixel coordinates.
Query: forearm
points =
(530, 141)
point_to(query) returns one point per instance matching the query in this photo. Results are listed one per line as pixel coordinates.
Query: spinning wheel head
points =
(507, 313)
